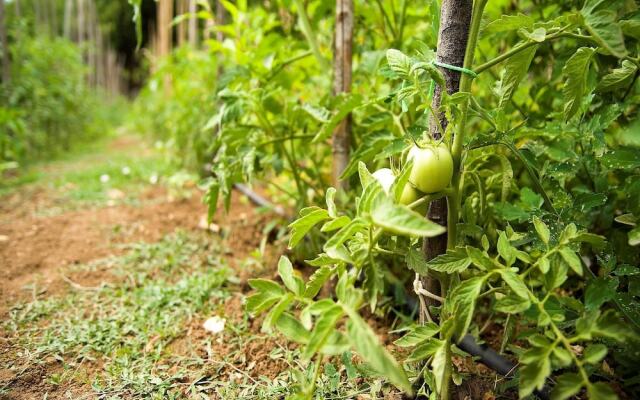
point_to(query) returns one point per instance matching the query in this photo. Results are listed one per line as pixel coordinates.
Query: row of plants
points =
(48, 105)
(537, 155)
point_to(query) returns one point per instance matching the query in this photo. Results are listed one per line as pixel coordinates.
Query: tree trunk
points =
(342, 84)
(455, 18)
(80, 22)
(4, 44)
(182, 32)
(221, 19)
(193, 23)
(165, 15)
(68, 10)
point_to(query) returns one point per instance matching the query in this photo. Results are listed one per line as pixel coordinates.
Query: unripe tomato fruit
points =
(409, 194)
(432, 168)
(386, 177)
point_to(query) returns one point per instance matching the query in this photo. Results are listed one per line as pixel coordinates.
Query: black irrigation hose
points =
(488, 356)
(259, 200)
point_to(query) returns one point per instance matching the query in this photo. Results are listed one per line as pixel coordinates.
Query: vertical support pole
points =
(193, 23)
(342, 69)
(182, 27)
(455, 19)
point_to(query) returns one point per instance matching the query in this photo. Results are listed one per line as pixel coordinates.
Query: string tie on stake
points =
(462, 70)
(455, 68)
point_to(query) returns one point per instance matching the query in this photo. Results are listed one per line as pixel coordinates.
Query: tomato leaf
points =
(575, 73)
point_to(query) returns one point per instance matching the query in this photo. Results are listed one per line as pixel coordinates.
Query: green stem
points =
(446, 381)
(458, 140)
(316, 374)
(305, 25)
(523, 46)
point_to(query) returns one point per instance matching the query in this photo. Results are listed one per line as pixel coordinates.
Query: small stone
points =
(214, 324)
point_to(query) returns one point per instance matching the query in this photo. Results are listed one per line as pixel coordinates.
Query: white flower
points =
(214, 324)
(154, 179)
(104, 178)
(126, 170)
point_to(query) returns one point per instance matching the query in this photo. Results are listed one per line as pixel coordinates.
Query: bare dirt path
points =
(39, 251)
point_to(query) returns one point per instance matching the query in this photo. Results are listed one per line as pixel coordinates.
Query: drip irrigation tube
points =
(259, 200)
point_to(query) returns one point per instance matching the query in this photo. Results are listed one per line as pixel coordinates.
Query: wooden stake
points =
(342, 65)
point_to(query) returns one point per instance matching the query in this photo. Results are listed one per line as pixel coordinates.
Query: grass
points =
(118, 338)
(100, 174)
(140, 335)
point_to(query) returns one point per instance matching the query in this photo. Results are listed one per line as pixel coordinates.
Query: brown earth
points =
(36, 253)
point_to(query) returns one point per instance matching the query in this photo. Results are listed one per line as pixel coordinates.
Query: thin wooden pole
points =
(182, 27)
(193, 23)
(455, 18)
(342, 68)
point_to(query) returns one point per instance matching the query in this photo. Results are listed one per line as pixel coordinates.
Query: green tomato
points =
(432, 168)
(386, 177)
(411, 194)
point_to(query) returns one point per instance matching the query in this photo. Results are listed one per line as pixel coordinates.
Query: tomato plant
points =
(532, 186)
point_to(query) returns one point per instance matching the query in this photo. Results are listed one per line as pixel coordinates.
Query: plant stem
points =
(523, 46)
(305, 25)
(458, 140)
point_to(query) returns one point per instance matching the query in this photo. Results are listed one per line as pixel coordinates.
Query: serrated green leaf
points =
(462, 303)
(506, 251)
(399, 63)
(512, 304)
(425, 350)
(536, 35)
(276, 312)
(334, 224)
(439, 365)
(621, 159)
(310, 216)
(515, 283)
(348, 103)
(601, 391)
(367, 345)
(619, 78)
(575, 74)
(543, 230)
(604, 28)
(415, 261)
(345, 233)
(292, 282)
(631, 27)
(594, 353)
(292, 329)
(509, 23)
(400, 220)
(599, 290)
(533, 376)
(316, 281)
(325, 324)
(418, 335)
(453, 261)
(570, 257)
(567, 385)
(479, 259)
(634, 237)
